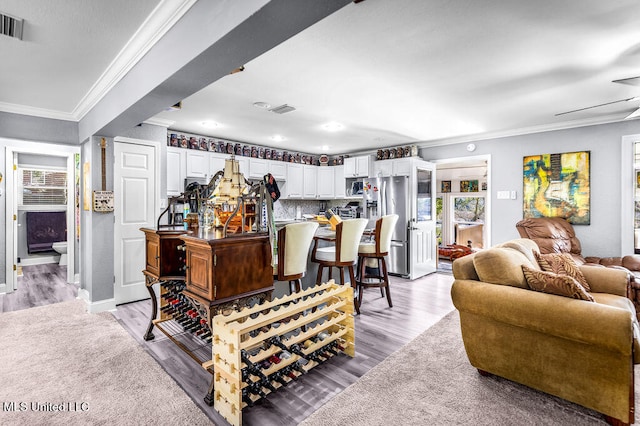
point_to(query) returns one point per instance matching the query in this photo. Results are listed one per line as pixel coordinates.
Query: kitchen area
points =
(363, 186)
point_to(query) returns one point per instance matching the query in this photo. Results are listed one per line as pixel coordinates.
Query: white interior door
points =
(423, 249)
(135, 192)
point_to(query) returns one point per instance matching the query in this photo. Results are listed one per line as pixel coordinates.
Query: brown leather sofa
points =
(556, 235)
(578, 350)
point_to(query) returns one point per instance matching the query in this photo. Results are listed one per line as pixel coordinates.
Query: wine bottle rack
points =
(182, 324)
(317, 323)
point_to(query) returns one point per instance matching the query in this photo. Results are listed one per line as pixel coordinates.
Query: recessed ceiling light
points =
(332, 126)
(262, 105)
(210, 124)
(325, 147)
(278, 138)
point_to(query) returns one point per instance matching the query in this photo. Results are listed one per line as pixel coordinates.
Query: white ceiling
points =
(392, 72)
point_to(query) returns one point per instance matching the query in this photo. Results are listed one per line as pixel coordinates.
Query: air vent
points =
(282, 109)
(11, 26)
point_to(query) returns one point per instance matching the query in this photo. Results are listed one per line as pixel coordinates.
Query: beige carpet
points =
(430, 381)
(58, 356)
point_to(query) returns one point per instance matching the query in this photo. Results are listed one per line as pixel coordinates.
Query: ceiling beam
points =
(209, 42)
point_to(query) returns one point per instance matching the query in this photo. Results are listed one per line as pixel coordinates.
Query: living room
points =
(608, 137)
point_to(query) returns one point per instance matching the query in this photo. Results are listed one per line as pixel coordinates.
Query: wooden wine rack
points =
(324, 308)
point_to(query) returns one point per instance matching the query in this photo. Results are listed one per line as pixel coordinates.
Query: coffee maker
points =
(323, 207)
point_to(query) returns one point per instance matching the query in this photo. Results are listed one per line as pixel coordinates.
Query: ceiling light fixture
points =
(325, 147)
(278, 138)
(262, 105)
(210, 124)
(332, 126)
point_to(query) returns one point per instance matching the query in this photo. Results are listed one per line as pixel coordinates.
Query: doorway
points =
(27, 193)
(462, 207)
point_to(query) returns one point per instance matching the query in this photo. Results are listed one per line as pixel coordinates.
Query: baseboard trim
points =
(99, 306)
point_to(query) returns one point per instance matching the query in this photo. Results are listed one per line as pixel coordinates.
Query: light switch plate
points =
(514, 195)
(502, 195)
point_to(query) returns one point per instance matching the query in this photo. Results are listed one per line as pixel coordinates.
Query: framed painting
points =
(558, 185)
(446, 186)
(468, 186)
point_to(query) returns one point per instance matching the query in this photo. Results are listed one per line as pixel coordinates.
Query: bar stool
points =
(344, 253)
(294, 241)
(373, 254)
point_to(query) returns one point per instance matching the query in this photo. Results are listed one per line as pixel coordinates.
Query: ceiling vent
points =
(282, 109)
(11, 26)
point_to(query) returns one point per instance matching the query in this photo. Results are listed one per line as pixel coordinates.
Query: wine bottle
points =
(276, 341)
(256, 389)
(298, 367)
(246, 398)
(295, 348)
(277, 377)
(266, 383)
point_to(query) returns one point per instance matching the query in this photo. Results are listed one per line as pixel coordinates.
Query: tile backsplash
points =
(286, 209)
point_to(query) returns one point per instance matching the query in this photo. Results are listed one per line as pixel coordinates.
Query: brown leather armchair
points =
(556, 235)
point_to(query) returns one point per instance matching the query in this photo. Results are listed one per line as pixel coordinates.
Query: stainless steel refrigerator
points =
(390, 195)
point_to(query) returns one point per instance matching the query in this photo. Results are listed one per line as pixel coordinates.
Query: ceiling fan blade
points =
(631, 81)
(634, 114)
(600, 105)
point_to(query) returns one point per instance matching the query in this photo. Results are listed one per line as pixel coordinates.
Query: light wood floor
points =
(39, 285)
(380, 331)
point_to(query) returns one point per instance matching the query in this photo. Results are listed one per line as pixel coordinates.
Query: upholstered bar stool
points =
(294, 241)
(344, 253)
(373, 254)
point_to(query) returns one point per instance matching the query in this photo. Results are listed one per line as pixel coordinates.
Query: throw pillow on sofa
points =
(560, 285)
(562, 264)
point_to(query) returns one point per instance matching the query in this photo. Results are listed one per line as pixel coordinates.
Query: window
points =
(42, 187)
(468, 209)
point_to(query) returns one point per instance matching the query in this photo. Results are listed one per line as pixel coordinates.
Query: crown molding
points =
(161, 20)
(36, 112)
(614, 118)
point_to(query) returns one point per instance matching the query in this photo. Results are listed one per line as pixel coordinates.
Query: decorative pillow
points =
(562, 264)
(560, 285)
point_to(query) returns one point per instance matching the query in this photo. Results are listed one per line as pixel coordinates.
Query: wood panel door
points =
(135, 188)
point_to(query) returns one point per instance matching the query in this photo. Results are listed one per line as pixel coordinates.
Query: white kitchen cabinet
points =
(295, 177)
(401, 166)
(216, 163)
(243, 163)
(176, 165)
(326, 182)
(339, 182)
(257, 168)
(278, 169)
(382, 168)
(197, 164)
(357, 166)
(310, 181)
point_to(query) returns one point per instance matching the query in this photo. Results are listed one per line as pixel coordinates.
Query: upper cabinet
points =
(197, 164)
(310, 181)
(257, 168)
(176, 164)
(278, 169)
(394, 167)
(295, 176)
(326, 183)
(357, 166)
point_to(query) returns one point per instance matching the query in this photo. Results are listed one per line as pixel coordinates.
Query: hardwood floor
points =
(39, 285)
(380, 331)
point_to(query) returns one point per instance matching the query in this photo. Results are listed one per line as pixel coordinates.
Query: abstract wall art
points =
(558, 185)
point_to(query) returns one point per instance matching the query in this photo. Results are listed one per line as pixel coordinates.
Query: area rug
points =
(62, 366)
(430, 381)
